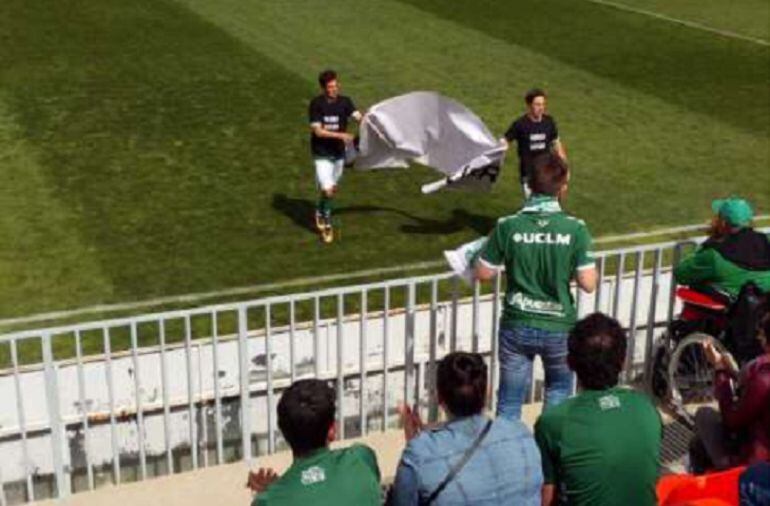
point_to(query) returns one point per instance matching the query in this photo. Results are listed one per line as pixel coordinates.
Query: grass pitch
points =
(153, 147)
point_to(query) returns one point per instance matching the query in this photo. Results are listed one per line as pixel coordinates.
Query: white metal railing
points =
(129, 398)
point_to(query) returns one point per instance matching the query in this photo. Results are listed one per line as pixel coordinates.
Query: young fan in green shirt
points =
(318, 476)
(601, 447)
(543, 249)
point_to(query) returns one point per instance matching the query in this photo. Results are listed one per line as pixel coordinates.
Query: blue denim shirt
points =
(505, 469)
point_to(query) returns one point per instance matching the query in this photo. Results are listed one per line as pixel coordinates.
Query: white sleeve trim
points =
(315, 123)
(592, 265)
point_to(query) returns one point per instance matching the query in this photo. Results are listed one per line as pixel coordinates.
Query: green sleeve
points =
(584, 255)
(494, 251)
(696, 268)
(368, 457)
(546, 442)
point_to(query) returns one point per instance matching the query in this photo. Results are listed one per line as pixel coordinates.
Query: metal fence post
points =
(243, 362)
(58, 436)
(269, 379)
(599, 284)
(455, 308)
(618, 285)
(409, 379)
(317, 336)
(495, 341)
(22, 421)
(217, 394)
(137, 403)
(340, 371)
(111, 392)
(476, 315)
(672, 285)
(166, 401)
(385, 356)
(192, 427)
(651, 316)
(363, 353)
(432, 352)
(292, 344)
(631, 353)
(84, 409)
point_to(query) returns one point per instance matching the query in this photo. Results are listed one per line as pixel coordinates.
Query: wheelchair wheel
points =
(690, 376)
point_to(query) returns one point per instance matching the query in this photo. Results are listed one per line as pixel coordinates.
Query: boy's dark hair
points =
(549, 174)
(326, 76)
(305, 413)
(461, 380)
(533, 94)
(597, 350)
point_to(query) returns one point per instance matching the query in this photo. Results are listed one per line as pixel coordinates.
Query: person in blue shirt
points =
(502, 466)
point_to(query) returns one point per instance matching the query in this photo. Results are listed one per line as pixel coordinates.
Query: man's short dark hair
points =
(597, 350)
(326, 76)
(549, 174)
(305, 413)
(533, 94)
(461, 380)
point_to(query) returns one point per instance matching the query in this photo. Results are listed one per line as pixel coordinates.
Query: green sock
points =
(325, 206)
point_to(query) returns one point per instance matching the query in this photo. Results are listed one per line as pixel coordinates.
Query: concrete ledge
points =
(225, 484)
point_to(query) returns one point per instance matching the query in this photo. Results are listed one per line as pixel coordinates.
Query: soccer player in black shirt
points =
(535, 132)
(329, 113)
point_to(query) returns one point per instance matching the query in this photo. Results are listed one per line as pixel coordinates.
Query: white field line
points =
(662, 231)
(252, 289)
(683, 22)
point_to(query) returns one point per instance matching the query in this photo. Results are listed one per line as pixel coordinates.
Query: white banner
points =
(427, 128)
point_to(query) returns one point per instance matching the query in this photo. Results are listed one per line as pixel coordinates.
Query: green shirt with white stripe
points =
(542, 248)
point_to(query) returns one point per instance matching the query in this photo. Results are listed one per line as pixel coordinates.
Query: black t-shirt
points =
(532, 138)
(333, 116)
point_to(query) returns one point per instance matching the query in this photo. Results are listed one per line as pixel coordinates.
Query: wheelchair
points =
(679, 376)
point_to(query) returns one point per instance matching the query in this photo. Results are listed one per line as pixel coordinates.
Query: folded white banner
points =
(462, 259)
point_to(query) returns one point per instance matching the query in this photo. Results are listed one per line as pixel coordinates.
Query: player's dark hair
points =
(533, 94)
(461, 380)
(549, 174)
(305, 413)
(597, 350)
(326, 76)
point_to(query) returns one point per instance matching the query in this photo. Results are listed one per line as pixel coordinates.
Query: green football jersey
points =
(602, 448)
(345, 477)
(542, 248)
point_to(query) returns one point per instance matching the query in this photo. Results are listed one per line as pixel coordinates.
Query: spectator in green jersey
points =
(318, 476)
(733, 255)
(602, 446)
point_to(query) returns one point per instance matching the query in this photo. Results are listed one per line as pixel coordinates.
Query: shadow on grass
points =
(300, 212)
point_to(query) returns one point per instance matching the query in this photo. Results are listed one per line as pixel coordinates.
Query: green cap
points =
(735, 211)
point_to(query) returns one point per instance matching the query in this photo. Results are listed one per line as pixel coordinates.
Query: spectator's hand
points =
(410, 420)
(347, 138)
(716, 359)
(259, 481)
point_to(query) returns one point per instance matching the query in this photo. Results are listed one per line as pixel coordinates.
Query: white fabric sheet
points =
(432, 130)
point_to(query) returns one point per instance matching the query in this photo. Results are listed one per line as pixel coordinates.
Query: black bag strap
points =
(455, 470)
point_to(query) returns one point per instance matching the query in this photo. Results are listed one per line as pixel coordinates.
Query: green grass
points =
(154, 148)
(745, 17)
